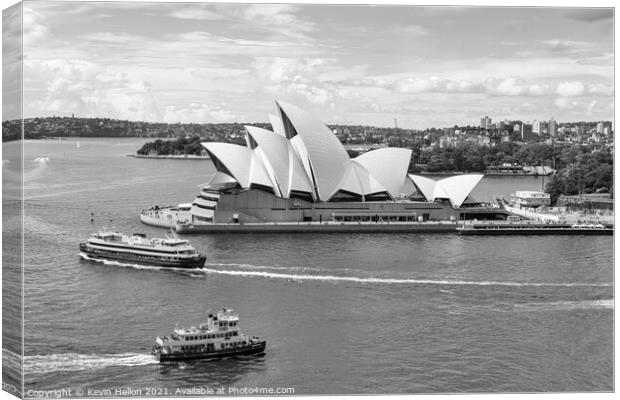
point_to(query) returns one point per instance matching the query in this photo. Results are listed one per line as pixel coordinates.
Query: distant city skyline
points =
(357, 65)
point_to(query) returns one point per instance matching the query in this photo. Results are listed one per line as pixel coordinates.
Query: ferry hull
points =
(257, 348)
(128, 257)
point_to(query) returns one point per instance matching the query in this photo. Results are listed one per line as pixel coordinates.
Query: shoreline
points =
(171, 156)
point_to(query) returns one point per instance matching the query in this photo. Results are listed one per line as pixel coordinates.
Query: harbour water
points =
(344, 313)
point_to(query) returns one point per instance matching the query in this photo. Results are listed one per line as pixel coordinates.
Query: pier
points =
(532, 228)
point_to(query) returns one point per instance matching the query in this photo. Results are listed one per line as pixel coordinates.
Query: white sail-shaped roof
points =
(258, 151)
(426, 186)
(273, 150)
(221, 179)
(388, 166)
(327, 158)
(276, 125)
(455, 188)
(240, 162)
(298, 178)
(458, 187)
(236, 159)
(259, 174)
(358, 180)
(408, 187)
(281, 161)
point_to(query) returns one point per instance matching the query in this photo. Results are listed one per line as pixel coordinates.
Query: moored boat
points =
(137, 248)
(219, 337)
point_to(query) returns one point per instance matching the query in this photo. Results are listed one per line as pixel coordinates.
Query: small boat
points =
(219, 337)
(167, 252)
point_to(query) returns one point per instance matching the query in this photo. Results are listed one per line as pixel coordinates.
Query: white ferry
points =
(217, 338)
(168, 252)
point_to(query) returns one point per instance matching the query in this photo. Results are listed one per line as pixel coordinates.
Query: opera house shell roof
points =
(302, 158)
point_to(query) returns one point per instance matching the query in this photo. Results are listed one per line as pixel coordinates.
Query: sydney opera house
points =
(300, 174)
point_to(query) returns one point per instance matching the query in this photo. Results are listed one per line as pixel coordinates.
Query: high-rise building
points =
(553, 128)
(537, 127)
(486, 122)
(525, 129)
(599, 127)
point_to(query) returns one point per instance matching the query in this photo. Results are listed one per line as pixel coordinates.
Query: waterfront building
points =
(300, 172)
(529, 198)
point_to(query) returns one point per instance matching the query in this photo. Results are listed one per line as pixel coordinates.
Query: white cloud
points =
(282, 69)
(571, 89)
(564, 103)
(83, 88)
(410, 30)
(506, 87)
(33, 29)
(591, 107)
(599, 88)
(514, 86)
(538, 89)
(198, 13)
(435, 84)
(312, 92)
(198, 113)
(278, 18)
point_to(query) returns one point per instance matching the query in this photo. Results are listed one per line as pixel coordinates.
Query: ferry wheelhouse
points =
(168, 252)
(217, 338)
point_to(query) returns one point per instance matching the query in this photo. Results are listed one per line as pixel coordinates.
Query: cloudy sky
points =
(425, 66)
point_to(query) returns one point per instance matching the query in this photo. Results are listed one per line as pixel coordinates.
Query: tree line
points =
(180, 145)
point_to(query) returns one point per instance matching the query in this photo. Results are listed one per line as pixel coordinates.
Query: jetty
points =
(531, 228)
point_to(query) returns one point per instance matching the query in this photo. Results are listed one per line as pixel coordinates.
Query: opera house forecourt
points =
(300, 178)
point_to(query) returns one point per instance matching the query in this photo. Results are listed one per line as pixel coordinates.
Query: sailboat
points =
(77, 144)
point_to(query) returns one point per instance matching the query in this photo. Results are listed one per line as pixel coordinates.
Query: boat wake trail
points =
(250, 271)
(567, 305)
(374, 280)
(127, 265)
(76, 362)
